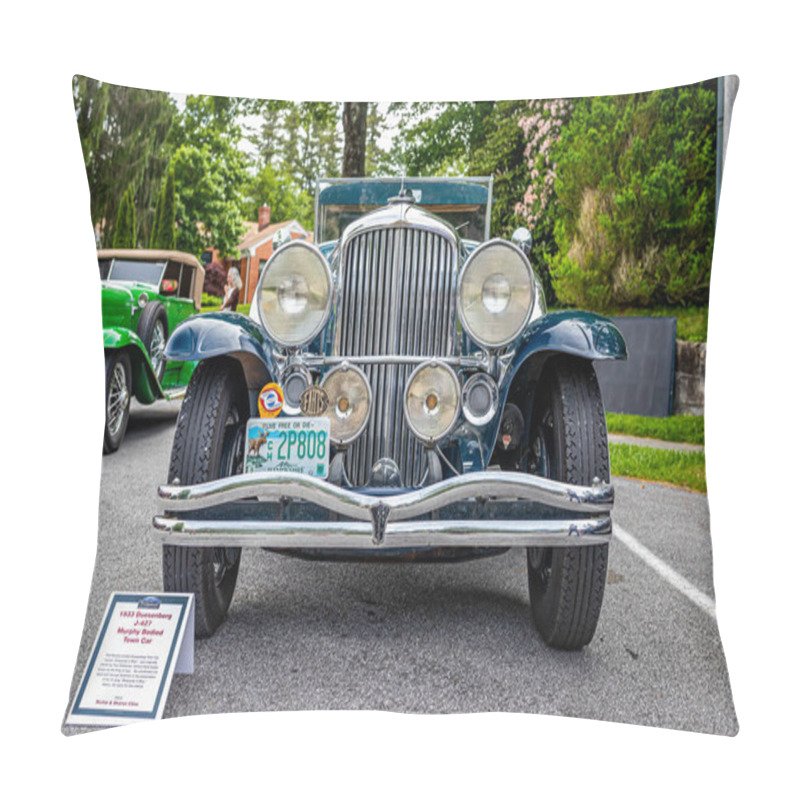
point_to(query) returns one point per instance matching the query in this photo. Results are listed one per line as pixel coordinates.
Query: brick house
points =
(256, 247)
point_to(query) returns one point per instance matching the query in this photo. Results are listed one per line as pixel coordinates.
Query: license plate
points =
(288, 444)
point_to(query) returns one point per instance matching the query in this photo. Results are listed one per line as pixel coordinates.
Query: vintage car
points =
(398, 392)
(145, 294)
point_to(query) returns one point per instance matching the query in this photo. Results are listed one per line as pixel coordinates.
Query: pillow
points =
(536, 258)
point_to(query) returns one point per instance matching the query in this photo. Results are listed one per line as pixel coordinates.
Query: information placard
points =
(142, 641)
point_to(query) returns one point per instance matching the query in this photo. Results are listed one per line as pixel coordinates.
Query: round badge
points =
(270, 400)
(313, 401)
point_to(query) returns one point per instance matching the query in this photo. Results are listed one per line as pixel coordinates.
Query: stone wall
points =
(690, 378)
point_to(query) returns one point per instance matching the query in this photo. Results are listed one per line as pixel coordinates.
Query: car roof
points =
(164, 255)
(152, 255)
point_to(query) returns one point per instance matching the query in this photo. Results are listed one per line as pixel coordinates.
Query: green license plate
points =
(288, 444)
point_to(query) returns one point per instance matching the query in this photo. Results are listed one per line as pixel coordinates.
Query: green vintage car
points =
(146, 293)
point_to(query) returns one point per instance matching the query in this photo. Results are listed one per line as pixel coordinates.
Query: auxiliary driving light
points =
(294, 382)
(349, 401)
(480, 399)
(431, 401)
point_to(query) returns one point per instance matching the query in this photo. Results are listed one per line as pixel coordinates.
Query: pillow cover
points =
(366, 356)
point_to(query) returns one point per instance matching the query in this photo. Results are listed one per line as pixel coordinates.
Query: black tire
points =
(568, 443)
(208, 444)
(118, 399)
(153, 330)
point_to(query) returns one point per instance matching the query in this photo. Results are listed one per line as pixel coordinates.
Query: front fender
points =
(576, 333)
(146, 387)
(225, 333)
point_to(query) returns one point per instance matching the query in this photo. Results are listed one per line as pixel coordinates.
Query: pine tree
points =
(166, 222)
(156, 220)
(125, 227)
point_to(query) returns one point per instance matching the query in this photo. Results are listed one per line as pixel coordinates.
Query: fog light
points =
(350, 399)
(431, 401)
(480, 399)
(294, 382)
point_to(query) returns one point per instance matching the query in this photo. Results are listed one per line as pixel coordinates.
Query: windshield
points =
(140, 271)
(463, 202)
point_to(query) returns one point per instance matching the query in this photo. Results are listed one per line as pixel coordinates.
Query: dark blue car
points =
(399, 391)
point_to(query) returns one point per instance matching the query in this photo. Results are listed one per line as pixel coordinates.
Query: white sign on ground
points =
(143, 640)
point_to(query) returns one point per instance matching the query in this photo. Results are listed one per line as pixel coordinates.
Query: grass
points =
(680, 468)
(692, 321)
(242, 308)
(686, 428)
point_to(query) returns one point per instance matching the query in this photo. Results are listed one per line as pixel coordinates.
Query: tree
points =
(635, 187)
(354, 121)
(123, 134)
(208, 205)
(163, 232)
(125, 226)
(280, 192)
(210, 172)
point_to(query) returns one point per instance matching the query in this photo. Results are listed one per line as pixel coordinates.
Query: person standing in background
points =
(232, 288)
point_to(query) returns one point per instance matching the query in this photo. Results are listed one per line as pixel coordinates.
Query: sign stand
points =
(143, 640)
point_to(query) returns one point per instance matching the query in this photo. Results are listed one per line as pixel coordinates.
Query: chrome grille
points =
(397, 298)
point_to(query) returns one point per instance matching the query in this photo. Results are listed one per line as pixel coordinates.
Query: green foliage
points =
(472, 139)
(692, 320)
(680, 428)
(635, 189)
(208, 204)
(301, 140)
(123, 133)
(281, 193)
(680, 468)
(162, 236)
(125, 226)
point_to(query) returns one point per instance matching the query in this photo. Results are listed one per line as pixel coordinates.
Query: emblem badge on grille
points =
(313, 401)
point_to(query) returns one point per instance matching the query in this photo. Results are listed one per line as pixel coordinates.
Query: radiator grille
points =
(397, 298)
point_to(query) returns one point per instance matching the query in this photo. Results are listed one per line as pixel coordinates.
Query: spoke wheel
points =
(118, 399)
(152, 330)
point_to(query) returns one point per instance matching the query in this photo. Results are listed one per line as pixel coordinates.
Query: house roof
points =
(255, 238)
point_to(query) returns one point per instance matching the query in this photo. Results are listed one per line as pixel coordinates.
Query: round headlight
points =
(349, 400)
(431, 401)
(295, 292)
(496, 293)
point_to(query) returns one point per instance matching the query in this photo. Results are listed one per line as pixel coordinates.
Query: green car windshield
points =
(463, 202)
(140, 271)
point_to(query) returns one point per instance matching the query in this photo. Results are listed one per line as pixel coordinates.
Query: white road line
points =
(689, 590)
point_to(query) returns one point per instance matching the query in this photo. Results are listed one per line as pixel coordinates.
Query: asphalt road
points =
(426, 638)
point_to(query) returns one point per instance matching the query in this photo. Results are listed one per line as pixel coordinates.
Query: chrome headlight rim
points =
(429, 441)
(534, 289)
(326, 312)
(480, 420)
(346, 367)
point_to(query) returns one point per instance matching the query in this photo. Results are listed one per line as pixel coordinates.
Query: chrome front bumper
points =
(485, 509)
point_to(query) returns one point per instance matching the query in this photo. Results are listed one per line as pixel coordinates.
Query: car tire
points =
(208, 444)
(568, 442)
(153, 330)
(118, 399)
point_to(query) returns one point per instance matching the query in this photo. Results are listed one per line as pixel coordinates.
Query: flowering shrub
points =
(214, 282)
(542, 129)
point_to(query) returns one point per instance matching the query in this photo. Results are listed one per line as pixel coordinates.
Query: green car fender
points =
(146, 388)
